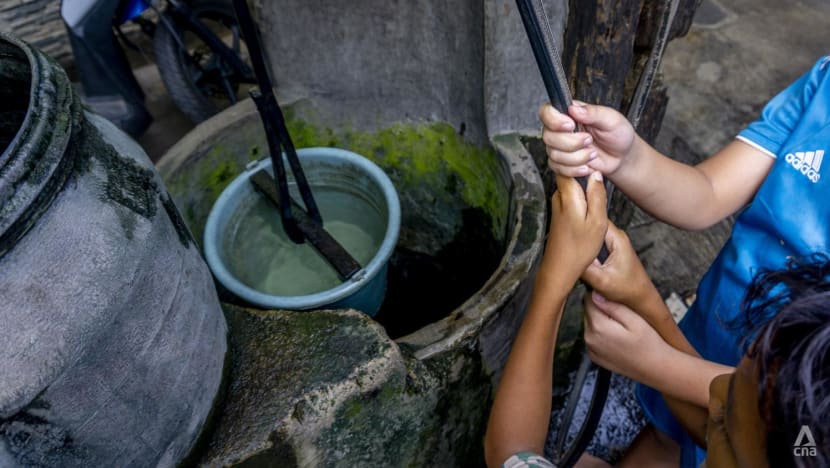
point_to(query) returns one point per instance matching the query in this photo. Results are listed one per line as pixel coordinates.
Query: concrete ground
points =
(736, 56)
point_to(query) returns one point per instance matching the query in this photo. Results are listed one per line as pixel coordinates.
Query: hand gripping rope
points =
(548, 59)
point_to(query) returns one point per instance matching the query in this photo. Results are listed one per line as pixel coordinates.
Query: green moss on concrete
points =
(280, 361)
(219, 177)
(196, 186)
(418, 154)
(433, 415)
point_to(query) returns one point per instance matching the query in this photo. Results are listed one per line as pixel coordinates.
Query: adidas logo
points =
(806, 162)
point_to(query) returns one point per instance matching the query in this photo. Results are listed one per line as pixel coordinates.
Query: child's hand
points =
(619, 340)
(578, 224)
(622, 278)
(603, 145)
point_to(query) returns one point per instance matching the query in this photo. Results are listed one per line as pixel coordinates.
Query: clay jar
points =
(113, 340)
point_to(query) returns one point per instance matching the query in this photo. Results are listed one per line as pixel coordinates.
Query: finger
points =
(596, 162)
(617, 240)
(612, 234)
(578, 157)
(569, 171)
(596, 199)
(615, 234)
(594, 275)
(614, 310)
(591, 314)
(573, 198)
(555, 120)
(567, 141)
(598, 325)
(612, 239)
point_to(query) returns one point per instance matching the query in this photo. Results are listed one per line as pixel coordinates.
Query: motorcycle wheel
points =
(200, 84)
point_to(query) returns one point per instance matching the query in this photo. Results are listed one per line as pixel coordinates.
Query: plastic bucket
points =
(365, 290)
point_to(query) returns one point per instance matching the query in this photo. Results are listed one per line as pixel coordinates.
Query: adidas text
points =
(806, 162)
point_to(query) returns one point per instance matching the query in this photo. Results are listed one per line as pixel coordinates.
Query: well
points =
(429, 92)
(472, 222)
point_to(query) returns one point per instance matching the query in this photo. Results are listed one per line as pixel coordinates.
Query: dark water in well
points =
(260, 254)
(423, 288)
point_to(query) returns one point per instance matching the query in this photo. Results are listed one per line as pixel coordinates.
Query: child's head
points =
(782, 385)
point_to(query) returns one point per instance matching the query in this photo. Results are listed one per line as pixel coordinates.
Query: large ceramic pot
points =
(113, 339)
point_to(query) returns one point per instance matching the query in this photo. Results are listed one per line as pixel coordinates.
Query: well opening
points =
(455, 198)
(15, 73)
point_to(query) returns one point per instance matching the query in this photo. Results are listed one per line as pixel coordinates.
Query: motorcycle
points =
(197, 45)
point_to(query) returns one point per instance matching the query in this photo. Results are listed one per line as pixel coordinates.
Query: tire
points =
(195, 91)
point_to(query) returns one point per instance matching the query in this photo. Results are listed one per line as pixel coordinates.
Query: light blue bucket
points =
(365, 290)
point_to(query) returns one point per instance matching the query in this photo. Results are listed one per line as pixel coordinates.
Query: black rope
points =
(549, 62)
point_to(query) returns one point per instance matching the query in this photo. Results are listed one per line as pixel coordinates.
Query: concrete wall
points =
(513, 88)
(466, 62)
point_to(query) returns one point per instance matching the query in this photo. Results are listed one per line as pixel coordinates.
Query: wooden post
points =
(605, 47)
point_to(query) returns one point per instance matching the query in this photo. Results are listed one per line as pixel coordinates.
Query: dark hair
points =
(791, 349)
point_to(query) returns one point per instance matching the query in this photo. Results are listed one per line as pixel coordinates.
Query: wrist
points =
(629, 160)
(652, 301)
(655, 361)
(555, 278)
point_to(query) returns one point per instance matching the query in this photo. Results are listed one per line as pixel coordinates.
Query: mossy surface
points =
(197, 186)
(428, 155)
(300, 387)
(434, 415)
(280, 362)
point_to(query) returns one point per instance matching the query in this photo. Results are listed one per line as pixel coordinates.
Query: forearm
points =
(521, 410)
(692, 197)
(671, 191)
(654, 310)
(679, 375)
(691, 416)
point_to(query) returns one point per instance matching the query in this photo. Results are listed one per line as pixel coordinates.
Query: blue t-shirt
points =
(788, 217)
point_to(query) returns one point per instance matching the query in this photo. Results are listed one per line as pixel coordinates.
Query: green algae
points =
(433, 414)
(424, 154)
(219, 177)
(196, 188)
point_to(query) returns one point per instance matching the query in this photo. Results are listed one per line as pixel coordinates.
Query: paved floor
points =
(738, 55)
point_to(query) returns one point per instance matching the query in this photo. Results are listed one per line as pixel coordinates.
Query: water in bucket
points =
(259, 253)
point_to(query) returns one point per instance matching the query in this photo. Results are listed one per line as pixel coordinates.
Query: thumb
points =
(616, 311)
(571, 195)
(616, 239)
(593, 274)
(599, 117)
(595, 194)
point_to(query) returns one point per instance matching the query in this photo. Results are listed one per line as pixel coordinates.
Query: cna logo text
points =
(805, 444)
